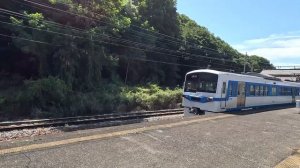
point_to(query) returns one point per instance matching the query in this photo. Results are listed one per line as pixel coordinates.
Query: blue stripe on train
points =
(203, 99)
(260, 107)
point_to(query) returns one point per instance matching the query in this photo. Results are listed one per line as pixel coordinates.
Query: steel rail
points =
(30, 124)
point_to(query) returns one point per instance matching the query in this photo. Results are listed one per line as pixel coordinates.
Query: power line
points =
(72, 13)
(154, 32)
(146, 60)
(36, 41)
(74, 36)
(140, 44)
(53, 8)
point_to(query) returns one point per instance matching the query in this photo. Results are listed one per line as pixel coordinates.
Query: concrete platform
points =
(216, 140)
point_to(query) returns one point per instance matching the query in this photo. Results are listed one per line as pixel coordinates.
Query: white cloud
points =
(280, 49)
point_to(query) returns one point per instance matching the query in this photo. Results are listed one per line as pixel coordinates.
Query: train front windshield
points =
(201, 82)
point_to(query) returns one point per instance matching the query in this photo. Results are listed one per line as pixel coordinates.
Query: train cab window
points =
(252, 90)
(201, 82)
(274, 91)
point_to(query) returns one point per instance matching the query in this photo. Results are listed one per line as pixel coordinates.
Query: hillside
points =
(90, 49)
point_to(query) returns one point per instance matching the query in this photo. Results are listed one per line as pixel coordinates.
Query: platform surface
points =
(250, 140)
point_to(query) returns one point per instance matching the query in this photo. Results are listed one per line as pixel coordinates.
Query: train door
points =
(241, 96)
(293, 95)
(223, 96)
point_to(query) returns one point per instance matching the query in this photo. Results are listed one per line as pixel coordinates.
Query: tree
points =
(259, 63)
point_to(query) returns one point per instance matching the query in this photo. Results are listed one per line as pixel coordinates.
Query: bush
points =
(152, 97)
(45, 97)
(51, 97)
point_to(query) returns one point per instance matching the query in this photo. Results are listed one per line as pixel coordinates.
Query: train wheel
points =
(200, 112)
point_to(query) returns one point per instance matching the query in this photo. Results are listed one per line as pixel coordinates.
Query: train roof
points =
(208, 71)
(248, 75)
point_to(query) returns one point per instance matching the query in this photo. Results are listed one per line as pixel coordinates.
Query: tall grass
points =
(52, 97)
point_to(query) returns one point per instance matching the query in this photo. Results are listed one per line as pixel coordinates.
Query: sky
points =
(268, 28)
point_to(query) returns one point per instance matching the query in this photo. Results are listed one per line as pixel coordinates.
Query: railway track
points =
(29, 124)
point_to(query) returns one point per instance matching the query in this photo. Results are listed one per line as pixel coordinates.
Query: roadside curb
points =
(292, 161)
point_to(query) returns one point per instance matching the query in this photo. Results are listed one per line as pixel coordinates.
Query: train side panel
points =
(233, 93)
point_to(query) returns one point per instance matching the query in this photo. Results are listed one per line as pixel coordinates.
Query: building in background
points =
(285, 73)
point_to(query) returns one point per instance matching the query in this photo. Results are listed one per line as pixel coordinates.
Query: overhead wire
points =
(146, 60)
(101, 34)
(44, 5)
(72, 13)
(147, 30)
(140, 44)
(223, 60)
(74, 36)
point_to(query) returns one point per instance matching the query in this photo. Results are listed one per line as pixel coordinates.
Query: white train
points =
(215, 91)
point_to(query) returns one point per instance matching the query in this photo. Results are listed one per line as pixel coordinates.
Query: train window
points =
(293, 91)
(279, 91)
(274, 91)
(252, 90)
(257, 90)
(261, 90)
(230, 89)
(224, 88)
(191, 83)
(201, 82)
(285, 91)
(265, 91)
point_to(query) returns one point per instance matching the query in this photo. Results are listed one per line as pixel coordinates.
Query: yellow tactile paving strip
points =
(106, 135)
(291, 162)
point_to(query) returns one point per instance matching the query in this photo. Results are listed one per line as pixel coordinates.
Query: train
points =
(217, 91)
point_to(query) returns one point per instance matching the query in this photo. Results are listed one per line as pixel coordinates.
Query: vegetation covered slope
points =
(52, 50)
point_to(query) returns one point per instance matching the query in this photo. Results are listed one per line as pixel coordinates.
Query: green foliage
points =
(152, 97)
(193, 33)
(259, 63)
(90, 67)
(51, 97)
(44, 96)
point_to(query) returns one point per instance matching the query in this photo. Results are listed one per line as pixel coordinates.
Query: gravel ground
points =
(17, 134)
